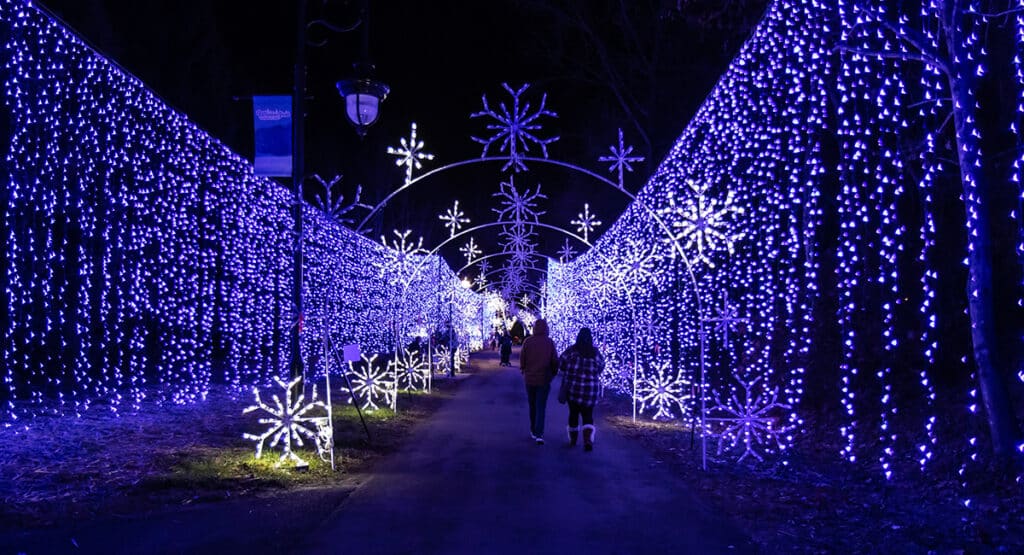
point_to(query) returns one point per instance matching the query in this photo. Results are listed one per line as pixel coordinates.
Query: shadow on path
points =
(472, 481)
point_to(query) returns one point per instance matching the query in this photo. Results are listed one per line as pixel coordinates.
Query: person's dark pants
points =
(506, 354)
(537, 395)
(576, 410)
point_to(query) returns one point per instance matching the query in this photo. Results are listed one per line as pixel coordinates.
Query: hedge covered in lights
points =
(142, 256)
(832, 196)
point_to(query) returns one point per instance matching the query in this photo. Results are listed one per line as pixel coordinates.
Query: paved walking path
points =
(472, 481)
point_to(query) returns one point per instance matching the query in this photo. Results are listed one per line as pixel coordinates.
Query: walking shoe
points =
(540, 440)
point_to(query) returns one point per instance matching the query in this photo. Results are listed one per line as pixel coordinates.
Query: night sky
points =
(438, 58)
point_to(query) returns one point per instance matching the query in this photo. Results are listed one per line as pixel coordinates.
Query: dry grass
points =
(96, 465)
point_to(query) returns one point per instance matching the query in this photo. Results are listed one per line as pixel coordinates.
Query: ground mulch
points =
(100, 465)
(819, 504)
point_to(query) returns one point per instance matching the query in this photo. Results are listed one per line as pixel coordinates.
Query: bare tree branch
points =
(887, 54)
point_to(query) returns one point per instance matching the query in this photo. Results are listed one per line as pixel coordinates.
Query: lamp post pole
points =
(363, 97)
(298, 176)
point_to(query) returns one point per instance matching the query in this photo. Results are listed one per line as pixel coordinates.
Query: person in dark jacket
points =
(506, 350)
(538, 362)
(582, 365)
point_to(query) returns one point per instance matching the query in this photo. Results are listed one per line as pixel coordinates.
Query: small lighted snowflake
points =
(566, 253)
(620, 158)
(586, 223)
(453, 219)
(750, 422)
(659, 388)
(412, 371)
(334, 209)
(372, 383)
(442, 358)
(726, 318)
(514, 128)
(410, 154)
(470, 251)
(288, 422)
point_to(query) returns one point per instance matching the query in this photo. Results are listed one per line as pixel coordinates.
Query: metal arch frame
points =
(673, 241)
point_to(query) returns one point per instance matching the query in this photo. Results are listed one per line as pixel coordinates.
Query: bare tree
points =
(954, 52)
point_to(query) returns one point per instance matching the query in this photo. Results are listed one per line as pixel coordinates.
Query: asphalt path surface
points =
(470, 480)
(473, 481)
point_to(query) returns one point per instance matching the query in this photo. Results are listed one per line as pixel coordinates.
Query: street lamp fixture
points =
(362, 101)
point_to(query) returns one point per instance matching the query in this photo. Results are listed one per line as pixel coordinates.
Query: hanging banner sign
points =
(272, 122)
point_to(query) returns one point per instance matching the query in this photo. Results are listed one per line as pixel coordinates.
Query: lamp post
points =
(362, 101)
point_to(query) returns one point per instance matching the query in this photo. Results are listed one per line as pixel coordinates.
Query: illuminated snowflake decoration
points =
(453, 219)
(586, 223)
(410, 154)
(637, 260)
(704, 222)
(443, 358)
(288, 422)
(659, 389)
(620, 158)
(518, 207)
(751, 422)
(566, 253)
(372, 382)
(412, 371)
(726, 318)
(336, 210)
(399, 259)
(470, 251)
(518, 242)
(514, 128)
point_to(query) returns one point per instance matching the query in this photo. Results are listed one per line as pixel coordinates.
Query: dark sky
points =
(438, 57)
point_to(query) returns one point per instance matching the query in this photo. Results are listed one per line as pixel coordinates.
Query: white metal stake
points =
(330, 409)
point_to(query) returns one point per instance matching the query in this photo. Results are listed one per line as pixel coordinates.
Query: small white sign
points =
(351, 352)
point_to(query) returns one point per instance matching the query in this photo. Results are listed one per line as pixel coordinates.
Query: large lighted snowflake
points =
(620, 158)
(518, 241)
(704, 223)
(288, 422)
(750, 422)
(637, 260)
(372, 382)
(661, 389)
(516, 206)
(410, 154)
(412, 371)
(514, 128)
(586, 222)
(453, 219)
(399, 258)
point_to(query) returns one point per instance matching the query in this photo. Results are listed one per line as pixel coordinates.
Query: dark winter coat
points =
(538, 359)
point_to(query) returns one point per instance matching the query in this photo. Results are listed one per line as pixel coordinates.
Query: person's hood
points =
(541, 328)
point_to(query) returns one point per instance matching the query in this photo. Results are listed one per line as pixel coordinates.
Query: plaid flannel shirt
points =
(583, 376)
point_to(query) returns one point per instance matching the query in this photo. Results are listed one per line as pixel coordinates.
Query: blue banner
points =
(272, 121)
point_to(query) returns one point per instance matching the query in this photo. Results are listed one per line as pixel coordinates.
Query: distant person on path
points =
(582, 365)
(538, 362)
(506, 349)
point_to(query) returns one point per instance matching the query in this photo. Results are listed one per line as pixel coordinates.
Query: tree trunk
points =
(963, 83)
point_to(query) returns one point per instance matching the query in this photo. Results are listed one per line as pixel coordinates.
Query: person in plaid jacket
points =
(582, 365)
